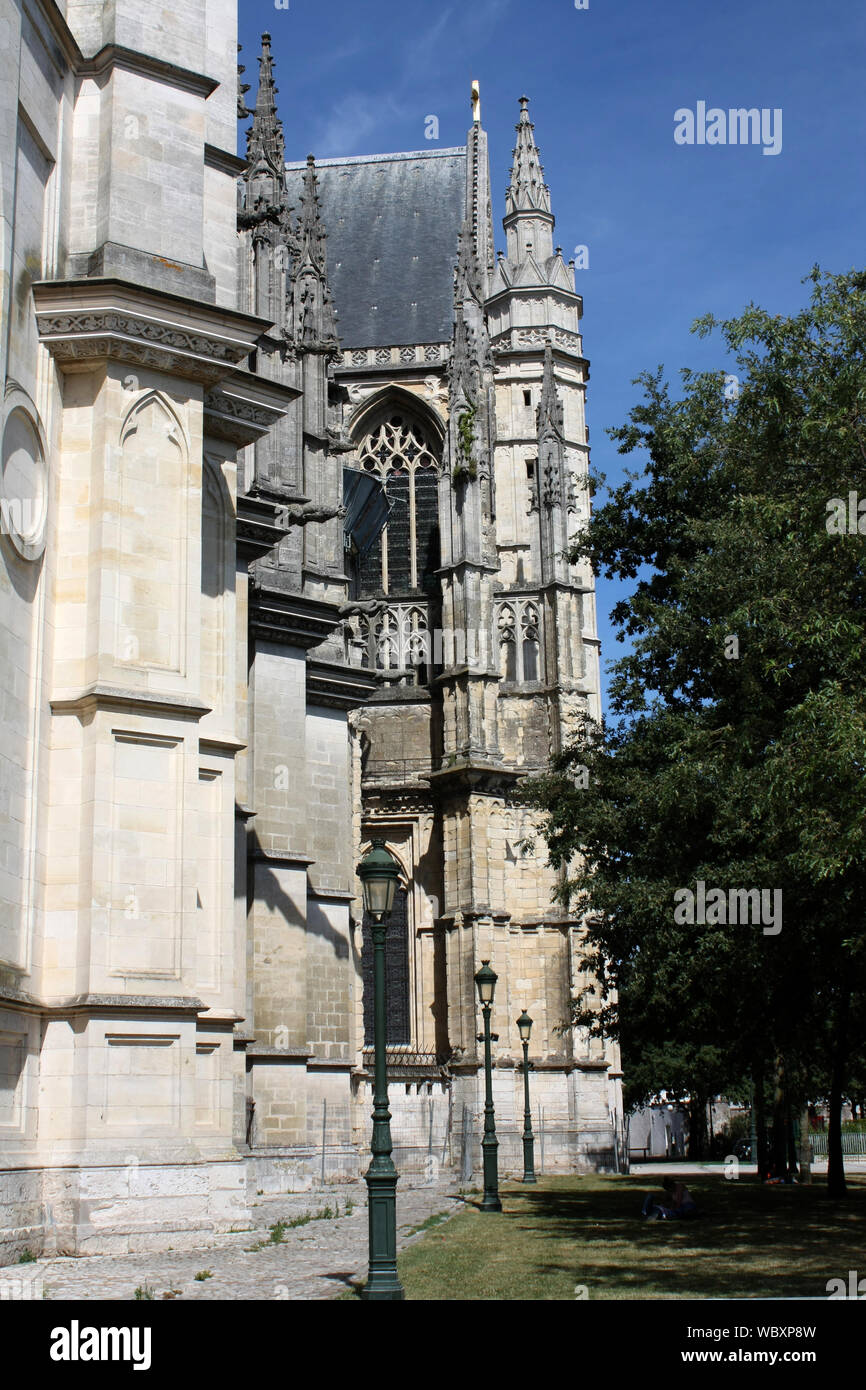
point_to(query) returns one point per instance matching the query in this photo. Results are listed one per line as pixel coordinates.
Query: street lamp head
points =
(524, 1024)
(486, 982)
(378, 873)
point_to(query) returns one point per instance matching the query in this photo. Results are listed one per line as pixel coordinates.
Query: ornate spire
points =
(527, 191)
(316, 321)
(311, 233)
(265, 137)
(549, 416)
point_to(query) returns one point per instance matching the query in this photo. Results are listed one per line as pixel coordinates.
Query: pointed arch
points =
(398, 398)
(399, 438)
(506, 636)
(529, 642)
(217, 579)
(176, 430)
(155, 523)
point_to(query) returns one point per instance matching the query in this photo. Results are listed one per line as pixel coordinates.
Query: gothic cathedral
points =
(292, 461)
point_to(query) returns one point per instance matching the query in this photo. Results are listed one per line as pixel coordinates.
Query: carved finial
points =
(527, 191)
(310, 228)
(265, 137)
(315, 318)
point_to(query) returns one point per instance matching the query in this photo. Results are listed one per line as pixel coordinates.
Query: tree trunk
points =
(836, 1184)
(760, 1121)
(791, 1138)
(805, 1147)
(698, 1125)
(780, 1125)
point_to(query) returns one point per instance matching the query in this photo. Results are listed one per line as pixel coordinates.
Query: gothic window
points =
(517, 630)
(398, 642)
(507, 644)
(397, 1011)
(529, 641)
(405, 558)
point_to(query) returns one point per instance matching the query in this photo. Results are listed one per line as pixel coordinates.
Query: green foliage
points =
(744, 769)
(204, 1274)
(429, 1223)
(144, 1291)
(26, 1257)
(466, 467)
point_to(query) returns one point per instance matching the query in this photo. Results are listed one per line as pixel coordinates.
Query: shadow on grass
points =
(772, 1242)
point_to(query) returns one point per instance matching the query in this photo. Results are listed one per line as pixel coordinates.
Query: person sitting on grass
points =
(678, 1203)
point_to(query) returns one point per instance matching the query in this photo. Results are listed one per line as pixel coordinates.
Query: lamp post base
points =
(489, 1146)
(529, 1160)
(382, 1280)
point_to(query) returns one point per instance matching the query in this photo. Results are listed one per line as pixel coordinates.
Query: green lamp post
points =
(524, 1026)
(378, 873)
(485, 980)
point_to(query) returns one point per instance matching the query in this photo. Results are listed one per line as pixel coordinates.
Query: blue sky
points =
(673, 231)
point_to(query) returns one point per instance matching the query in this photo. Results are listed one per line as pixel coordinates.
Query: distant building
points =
(658, 1130)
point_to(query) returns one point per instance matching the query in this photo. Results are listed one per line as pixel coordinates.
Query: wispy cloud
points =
(419, 49)
(351, 121)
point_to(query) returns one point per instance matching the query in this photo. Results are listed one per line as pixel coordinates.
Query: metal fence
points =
(853, 1144)
(559, 1146)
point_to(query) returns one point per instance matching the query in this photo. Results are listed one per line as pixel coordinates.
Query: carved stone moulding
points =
(290, 619)
(258, 526)
(243, 407)
(101, 1005)
(130, 699)
(87, 320)
(426, 354)
(512, 340)
(338, 687)
(396, 800)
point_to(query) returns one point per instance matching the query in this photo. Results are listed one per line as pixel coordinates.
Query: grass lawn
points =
(754, 1241)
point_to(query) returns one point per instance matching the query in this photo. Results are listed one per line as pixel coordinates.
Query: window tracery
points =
(518, 634)
(399, 451)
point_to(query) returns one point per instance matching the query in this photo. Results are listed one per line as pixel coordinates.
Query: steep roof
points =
(392, 224)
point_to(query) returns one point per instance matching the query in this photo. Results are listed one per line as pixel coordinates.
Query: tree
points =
(692, 1075)
(735, 751)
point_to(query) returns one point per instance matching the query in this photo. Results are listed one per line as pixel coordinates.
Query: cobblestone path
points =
(317, 1260)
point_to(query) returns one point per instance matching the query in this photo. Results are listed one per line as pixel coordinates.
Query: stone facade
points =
(221, 676)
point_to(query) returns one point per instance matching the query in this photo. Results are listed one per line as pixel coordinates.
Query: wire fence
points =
(433, 1137)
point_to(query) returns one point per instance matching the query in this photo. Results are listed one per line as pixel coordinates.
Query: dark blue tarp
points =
(367, 508)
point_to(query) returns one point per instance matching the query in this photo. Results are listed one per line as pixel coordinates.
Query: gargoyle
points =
(338, 443)
(261, 212)
(368, 608)
(300, 513)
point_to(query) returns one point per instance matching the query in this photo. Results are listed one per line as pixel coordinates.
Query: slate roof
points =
(392, 222)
